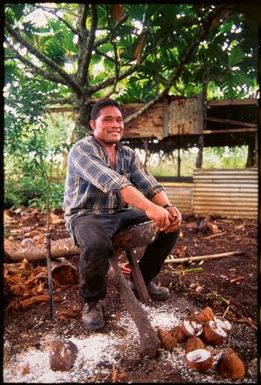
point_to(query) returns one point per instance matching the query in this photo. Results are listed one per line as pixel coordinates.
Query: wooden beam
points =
(229, 130)
(230, 121)
(232, 102)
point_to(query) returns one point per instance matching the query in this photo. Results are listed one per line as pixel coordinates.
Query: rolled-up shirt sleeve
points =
(143, 180)
(95, 170)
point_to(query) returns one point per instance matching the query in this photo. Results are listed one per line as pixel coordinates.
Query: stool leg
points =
(141, 288)
(149, 341)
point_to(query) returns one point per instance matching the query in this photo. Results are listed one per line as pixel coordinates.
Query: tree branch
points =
(106, 38)
(82, 16)
(109, 82)
(36, 70)
(129, 71)
(62, 101)
(69, 80)
(89, 47)
(212, 23)
(116, 60)
(104, 55)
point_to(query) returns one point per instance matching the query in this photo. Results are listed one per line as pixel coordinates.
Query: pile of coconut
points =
(198, 330)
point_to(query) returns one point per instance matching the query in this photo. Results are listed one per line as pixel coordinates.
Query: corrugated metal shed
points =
(185, 116)
(180, 195)
(232, 193)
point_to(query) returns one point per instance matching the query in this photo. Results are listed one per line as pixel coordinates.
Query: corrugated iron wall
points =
(180, 195)
(230, 193)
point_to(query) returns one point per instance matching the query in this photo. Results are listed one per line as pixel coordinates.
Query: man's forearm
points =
(135, 198)
(158, 214)
(160, 199)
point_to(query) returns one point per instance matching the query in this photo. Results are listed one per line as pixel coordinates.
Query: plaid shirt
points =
(92, 186)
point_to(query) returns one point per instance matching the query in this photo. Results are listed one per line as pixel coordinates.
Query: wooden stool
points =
(125, 240)
(135, 236)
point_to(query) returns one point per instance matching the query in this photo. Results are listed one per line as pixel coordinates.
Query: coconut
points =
(204, 315)
(214, 334)
(199, 359)
(194, 343)
(223, 323)
(62, 354)
(178, 333)
(168, 341)
(191, 327)
(230, 365)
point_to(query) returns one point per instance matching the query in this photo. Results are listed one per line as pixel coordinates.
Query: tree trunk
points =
(135, 236)
(82, 126)
(60, 248)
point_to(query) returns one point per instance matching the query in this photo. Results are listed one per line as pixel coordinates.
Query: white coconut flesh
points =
(217, 328)
(193, 328)
(198, 355)
(223, 323)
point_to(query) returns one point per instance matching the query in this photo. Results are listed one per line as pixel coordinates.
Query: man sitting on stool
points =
(103, 179)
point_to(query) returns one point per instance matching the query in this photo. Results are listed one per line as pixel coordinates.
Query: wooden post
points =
(146, 148)
(179, 162)
(199, 159)
(256, 150)
(251, 154)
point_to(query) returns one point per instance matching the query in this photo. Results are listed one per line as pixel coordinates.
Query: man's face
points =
(108, 127)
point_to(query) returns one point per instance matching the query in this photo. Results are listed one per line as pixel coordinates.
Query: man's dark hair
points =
(101, 104)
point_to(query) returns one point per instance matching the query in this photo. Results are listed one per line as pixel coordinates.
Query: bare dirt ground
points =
(228, 285)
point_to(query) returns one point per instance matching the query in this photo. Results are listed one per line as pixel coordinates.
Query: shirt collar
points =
(119, 145)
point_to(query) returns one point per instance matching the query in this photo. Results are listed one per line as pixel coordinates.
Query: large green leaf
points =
(235, 56)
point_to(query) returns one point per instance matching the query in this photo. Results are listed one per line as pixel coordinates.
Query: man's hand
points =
(167, 220)
(175, 219)
(160, 216)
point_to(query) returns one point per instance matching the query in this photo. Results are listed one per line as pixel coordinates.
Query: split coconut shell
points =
(223, 323)
(194, 343)
(214, 334)
(190, 327)
(203, 315)
(178, 334)
(168, 341)
(230, 365)
(200, 359)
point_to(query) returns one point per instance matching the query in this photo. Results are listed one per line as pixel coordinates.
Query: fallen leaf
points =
(55, 219)
(26, 370)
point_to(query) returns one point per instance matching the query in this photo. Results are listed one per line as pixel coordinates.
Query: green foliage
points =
(55, 198)
(29, 157)
(30, 190)
(48, 36)
(227, 56)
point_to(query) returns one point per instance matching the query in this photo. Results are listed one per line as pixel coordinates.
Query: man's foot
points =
(159, 293)
(92, 315)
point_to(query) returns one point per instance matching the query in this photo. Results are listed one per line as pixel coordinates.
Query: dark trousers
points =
(93, 234)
